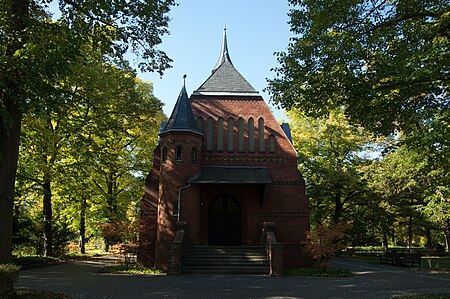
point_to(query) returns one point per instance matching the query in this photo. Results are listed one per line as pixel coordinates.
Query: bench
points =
(401, 259)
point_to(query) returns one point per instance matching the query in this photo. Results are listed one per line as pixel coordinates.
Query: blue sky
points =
(255, 30)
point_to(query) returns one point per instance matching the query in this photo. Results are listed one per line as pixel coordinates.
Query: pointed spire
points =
(224, 55)
(182, 117)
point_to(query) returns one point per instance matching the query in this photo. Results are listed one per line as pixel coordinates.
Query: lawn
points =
(437, 263)
(38, 294)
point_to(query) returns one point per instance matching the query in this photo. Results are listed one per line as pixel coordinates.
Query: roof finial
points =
(224, 55)
(184, 80)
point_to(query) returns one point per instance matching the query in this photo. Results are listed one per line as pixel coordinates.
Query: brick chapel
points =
(224, 174)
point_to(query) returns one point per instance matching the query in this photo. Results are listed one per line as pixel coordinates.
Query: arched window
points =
(210, 135)
(251, 135)
(240, 135)
(164, 154)
(194, 154)
(200, 124)
(261, 135)
(231, 134)
(220, 134)
(178, 153)
(272, 144)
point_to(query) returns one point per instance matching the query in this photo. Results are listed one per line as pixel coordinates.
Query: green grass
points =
(429, 296)
(37, 294)
(440, 263)
(312, 272)
(132, 269)
(33, 261)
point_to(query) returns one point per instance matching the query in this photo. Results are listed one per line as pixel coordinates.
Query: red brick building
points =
(223, 167)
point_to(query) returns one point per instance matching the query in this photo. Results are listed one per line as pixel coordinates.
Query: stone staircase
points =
(225, 260)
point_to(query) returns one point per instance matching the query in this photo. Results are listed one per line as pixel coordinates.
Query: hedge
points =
(8, 276)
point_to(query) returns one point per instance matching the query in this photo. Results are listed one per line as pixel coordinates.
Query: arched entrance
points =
(224, 221)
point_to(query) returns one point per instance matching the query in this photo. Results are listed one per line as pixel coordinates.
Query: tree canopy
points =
(39, 53)
(386, 62)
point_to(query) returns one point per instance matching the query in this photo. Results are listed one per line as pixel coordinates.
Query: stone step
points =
(225, 260)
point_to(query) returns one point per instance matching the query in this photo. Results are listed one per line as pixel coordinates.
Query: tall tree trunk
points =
(82, 242)
(10, 123)
(338, 207)
(385, 242)
(9, 152)
(410, 232)
(447, 236)
(47, 213)
(112, 209)
(429, 243)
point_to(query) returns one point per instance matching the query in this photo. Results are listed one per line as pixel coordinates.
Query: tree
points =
(36, 52)
(325, 241)
(331, 152)
(101, 135)
(387, 63)
(400, 180)
(116, 152)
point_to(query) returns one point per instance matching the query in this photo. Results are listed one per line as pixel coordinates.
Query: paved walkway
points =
(81, 280)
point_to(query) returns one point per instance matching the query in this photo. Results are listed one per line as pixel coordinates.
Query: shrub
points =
(30, 262)
(8, 276)
(323, 242)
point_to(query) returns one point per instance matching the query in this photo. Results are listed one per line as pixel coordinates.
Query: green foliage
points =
(8, 276)
(45, 66)
(95, 153)
(410, 189)
(32, 261)
(331, 153)
(426, 296)
(386, 63)
(39, 294)
(399, 180)
(312, 272)
(130, 269)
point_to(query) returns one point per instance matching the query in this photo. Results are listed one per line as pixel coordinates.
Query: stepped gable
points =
(225, 79)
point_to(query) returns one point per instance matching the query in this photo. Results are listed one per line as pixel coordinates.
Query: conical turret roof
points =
(182, 117)
(225, 78)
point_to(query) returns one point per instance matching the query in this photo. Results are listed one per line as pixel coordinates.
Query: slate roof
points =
(182, 118)
(225, 78)
(287, 130)
(232, 175)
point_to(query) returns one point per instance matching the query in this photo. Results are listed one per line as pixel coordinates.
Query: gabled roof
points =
(225, 79)
(182, 118)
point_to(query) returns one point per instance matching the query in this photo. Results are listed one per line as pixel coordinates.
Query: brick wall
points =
(284, 201)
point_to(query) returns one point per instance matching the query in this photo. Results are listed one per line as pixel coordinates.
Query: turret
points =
(180, 146)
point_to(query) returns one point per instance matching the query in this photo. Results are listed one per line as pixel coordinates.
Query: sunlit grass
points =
(429, 296)
(131, 269)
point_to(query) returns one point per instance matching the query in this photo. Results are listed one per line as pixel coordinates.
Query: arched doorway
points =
(224, 221)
